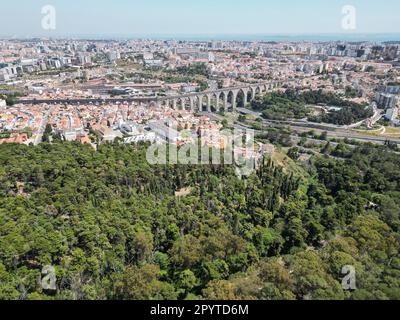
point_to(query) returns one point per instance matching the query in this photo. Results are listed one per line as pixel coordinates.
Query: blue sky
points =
(152, 17)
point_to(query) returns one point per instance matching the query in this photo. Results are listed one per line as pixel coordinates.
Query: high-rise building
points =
(392, 114)
(386, 100)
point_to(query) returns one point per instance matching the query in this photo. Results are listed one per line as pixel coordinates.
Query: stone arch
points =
(241, 98)
(215, 102)
(249, 94)
(180, 104)
(253, 92)
(223, 98)
(168, 103)
(174, 104)
(196, 102)
(187, 106)
(192, 103)
(231, 99)
(203, 102)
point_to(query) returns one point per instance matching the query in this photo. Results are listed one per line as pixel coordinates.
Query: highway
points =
(333, 131)
(300, 127)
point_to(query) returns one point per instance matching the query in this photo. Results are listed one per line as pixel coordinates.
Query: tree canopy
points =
(112, 227)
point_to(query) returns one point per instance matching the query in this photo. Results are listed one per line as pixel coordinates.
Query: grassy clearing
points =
(289, 166)
(393, 131)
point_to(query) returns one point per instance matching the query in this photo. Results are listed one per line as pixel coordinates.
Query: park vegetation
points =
(113, 226)
(293, 104)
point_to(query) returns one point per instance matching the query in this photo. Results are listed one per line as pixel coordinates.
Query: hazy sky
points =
(151, 17)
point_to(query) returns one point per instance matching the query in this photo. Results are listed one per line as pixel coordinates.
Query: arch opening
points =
(230, 98)
(240, 99)
(222, 101)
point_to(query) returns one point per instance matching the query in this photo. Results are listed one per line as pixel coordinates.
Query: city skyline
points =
(198, 19)
(244, 151)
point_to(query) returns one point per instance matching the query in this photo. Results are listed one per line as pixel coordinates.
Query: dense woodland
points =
(196, 72)
(113, 227)
(280, 106)
(292, 104)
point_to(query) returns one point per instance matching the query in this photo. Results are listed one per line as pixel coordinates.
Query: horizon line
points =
(344, 36)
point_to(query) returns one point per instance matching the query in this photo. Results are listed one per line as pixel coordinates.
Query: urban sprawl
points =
(152, 91)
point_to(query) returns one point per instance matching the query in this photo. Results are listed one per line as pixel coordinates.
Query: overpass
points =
(226, 99)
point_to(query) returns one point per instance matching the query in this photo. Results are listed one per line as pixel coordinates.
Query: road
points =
(333, 131)
(337, 133)
(301, 127)
(39, 136)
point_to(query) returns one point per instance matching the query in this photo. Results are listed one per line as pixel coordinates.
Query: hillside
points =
(113, 228)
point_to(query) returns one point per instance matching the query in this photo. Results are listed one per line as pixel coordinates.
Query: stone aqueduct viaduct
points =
(213, 101)
(227, 99)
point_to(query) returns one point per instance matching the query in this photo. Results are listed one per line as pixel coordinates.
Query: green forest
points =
(292, 104)
(113, 227)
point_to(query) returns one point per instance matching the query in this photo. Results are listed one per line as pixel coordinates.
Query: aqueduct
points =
(226, 99)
